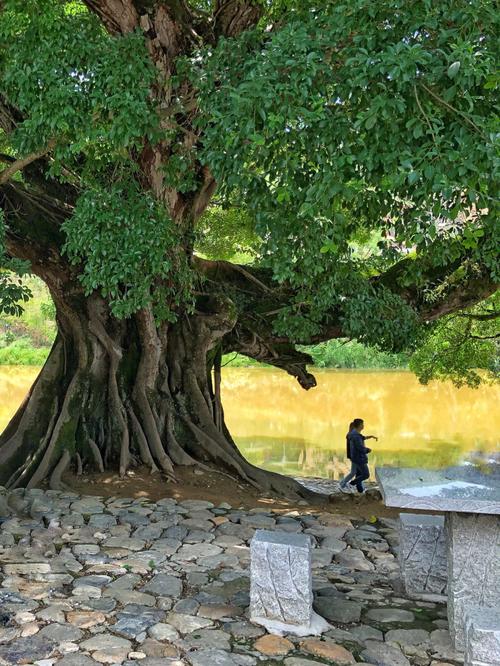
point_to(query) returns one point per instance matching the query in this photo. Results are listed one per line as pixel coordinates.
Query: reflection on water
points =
(281, 427)
(15, 382)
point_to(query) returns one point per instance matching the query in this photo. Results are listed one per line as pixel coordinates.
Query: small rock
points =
(338, 610)
(26, 650)
(219, 658)
(85, 619)
(382, 654)
(196, 505)
(390, 615)
(404, 637)
(135, 619)
(107, 649)
(163, 632)
(26, 569)
(365, 632)
(207, 639)
(185, 624)
(190, 552)
(76, 660)
(328, 650)
(218, 611)
(164, 585)
(243, 629)
(273, 645)
(354, 559)
(61, 632)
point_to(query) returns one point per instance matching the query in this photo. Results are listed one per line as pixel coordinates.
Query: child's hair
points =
(351, 426)
(356, 423)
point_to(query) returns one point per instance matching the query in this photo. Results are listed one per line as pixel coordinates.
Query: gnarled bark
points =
(127, 391)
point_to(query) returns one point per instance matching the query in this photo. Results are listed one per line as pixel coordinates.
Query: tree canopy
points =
(315, 122)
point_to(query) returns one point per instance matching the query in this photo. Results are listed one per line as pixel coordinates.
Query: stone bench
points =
(482, 637)
(422, 554)
(281, 596)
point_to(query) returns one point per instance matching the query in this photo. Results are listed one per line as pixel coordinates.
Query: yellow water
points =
(280, 426)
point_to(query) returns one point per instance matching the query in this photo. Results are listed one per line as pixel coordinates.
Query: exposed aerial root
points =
(96, 453)
(55, 481)
(79, 464)
(45, 466)
(215, 450)
(141, 440)
(115, 355)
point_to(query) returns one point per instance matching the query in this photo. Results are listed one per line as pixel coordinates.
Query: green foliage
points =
(22, 352)
(12, 289)
(461, 348)
(352, 116)
(352, 354)
(37, 320)
(79, 86)
(336, 354)
(227, 233)
(128, 243)
(90, 93)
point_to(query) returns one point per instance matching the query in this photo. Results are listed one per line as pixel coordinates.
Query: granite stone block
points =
(422, 554)
(482, 637)
(281, 596)
(473, 568)
(281, 577)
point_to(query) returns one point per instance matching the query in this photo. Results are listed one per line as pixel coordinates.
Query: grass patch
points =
(22, 352)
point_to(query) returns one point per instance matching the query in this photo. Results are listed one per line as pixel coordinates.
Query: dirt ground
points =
(217, 488)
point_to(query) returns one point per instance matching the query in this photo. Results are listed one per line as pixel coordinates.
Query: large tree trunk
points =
(115, 394)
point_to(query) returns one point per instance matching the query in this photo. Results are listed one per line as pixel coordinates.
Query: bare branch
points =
(453, 109)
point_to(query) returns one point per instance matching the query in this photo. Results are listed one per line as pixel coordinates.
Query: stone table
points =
(470, 498)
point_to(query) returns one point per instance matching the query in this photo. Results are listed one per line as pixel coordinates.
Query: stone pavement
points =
(85, 580)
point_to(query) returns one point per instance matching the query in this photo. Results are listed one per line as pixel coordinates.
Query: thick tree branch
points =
(259, 299)
(232, 17)
(32, 225)
(451, 294)
(118, 16)
(484, 316)
(23, 162)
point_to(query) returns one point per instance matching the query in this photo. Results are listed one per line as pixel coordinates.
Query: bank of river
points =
(281, 427)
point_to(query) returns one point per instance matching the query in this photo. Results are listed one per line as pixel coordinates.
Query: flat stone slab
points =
(25, 650)
(465, 489)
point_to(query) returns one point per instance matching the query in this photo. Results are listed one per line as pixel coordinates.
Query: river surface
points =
(281, 427)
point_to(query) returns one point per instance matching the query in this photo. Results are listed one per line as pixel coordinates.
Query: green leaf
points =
(370, 122)
(453, 69)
